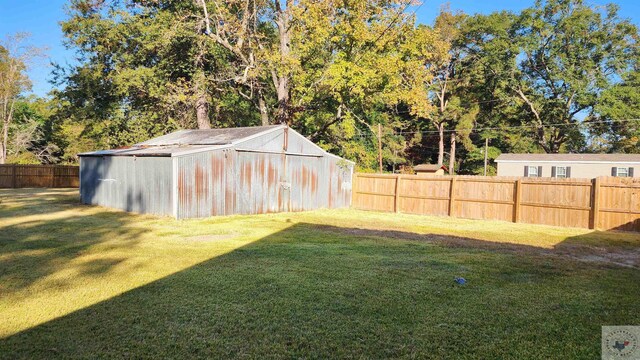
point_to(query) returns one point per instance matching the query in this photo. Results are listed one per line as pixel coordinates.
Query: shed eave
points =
(124, 155)
(279, 152)
(203, 149)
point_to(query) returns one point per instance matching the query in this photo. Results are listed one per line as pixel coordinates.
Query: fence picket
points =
(23, 176)
(607, 203)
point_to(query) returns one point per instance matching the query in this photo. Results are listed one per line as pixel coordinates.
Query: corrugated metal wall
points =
(257, 180)
(248, 182)
(201, 180)
(138, 184)
(254, 178)
(339, 182)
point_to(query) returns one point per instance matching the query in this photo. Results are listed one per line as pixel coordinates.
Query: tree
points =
(336, 69)
(15, 58)
(448, 79)
(33, 138)
(332, 70)
(145, 68)
(570, 53)
(616, 117)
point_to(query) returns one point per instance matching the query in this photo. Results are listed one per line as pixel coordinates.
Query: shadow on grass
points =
(328, 292)
(611, 247)
(39, 246)
(32, 200)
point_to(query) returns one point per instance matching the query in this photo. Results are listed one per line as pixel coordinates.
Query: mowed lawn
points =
(87, 282)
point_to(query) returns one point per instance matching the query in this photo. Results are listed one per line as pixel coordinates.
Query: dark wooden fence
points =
(40, 176)
(603, 203)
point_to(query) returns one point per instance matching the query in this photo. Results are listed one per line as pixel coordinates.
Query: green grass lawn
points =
(88, 282)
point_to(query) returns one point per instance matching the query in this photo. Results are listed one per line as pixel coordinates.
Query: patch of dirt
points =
(627, 258)
(624, 257)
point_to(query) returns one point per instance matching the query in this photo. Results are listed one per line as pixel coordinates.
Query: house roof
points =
(429, 167)
(570, 158)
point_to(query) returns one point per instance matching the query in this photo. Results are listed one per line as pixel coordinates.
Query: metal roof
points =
(188, 141)
(208, 137)
(151, 151)
(608, 158)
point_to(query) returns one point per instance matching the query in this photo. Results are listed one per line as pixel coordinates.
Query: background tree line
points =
(560, 76)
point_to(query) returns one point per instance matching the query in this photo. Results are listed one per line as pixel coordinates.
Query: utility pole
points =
(486, 146)
(379, 148)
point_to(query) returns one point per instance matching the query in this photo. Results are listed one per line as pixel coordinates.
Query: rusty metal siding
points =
(258, 180)
(142, 185)
(338, 182)
(344, 178)
(248, 182)
(201, 184)
(303, 176)
(253, 176)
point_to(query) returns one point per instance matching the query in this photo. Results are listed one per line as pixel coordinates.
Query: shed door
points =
(258, 183)
(284, 194)
(300, 190)
(269, 182)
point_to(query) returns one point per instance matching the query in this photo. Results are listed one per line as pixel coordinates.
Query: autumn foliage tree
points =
(555, 77)
(15, 58)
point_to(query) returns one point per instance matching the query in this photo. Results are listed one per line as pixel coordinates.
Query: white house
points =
(568, 165)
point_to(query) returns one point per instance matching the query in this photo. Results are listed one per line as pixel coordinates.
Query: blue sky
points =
(41, 18)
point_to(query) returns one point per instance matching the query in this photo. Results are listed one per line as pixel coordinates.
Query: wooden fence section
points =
(603, 203)
(24, 176)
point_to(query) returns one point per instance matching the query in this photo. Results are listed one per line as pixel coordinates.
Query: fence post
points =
(595, 203)
(451, 197)
(516, 201)
(354, 190)
(14, 177)
(52, 181)
(397, 194)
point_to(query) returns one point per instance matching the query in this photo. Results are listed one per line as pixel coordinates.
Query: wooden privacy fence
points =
(54, 176)
(603, 203)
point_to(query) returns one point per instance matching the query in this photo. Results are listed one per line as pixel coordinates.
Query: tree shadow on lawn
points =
(328, 292)
(33, 250)
(39, 238)
(35, 197)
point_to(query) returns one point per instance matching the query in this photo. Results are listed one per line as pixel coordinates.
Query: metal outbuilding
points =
(201, 173)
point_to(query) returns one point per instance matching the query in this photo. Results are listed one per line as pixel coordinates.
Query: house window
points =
(622, 172)
(533, 171)
(561, 172)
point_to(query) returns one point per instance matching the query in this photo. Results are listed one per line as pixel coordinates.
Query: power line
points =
(506, 127)
(521, 126)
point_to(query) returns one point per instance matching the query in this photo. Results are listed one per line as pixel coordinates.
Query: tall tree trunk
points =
(281, 79)
(3, 146)
(7, 117)
(202, 112)
(441, 144)
(452, 159)
(264, 114)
